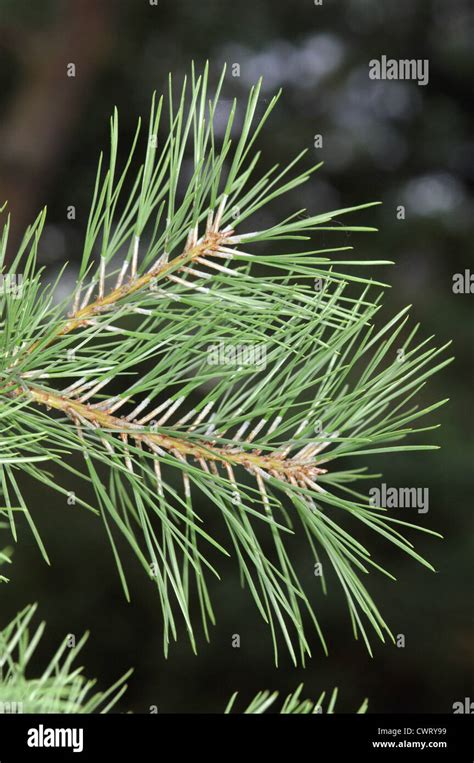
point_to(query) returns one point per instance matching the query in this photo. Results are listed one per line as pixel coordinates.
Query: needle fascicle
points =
(170, 412)
(102, 277)
(201, 416)
(94, 390)
(159, 481)
(256, 430)
(155, 411)
(122, 273)
(118, 404)
(88, 295)
(136, 245)
(138, 409)
(128, 460)
(220, 211)
(241, 431)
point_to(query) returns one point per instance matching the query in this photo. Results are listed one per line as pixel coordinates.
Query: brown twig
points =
(299, 470)
(81, 317)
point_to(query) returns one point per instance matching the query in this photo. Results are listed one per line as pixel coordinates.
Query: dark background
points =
(392, 141)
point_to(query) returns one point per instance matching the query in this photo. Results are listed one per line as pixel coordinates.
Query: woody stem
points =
(80, 318)
(207, 451)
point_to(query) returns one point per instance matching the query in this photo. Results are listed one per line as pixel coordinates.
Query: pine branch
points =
(299, 469)
(123, 375)
(293, 704)
(196, 251)
(61, 688)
